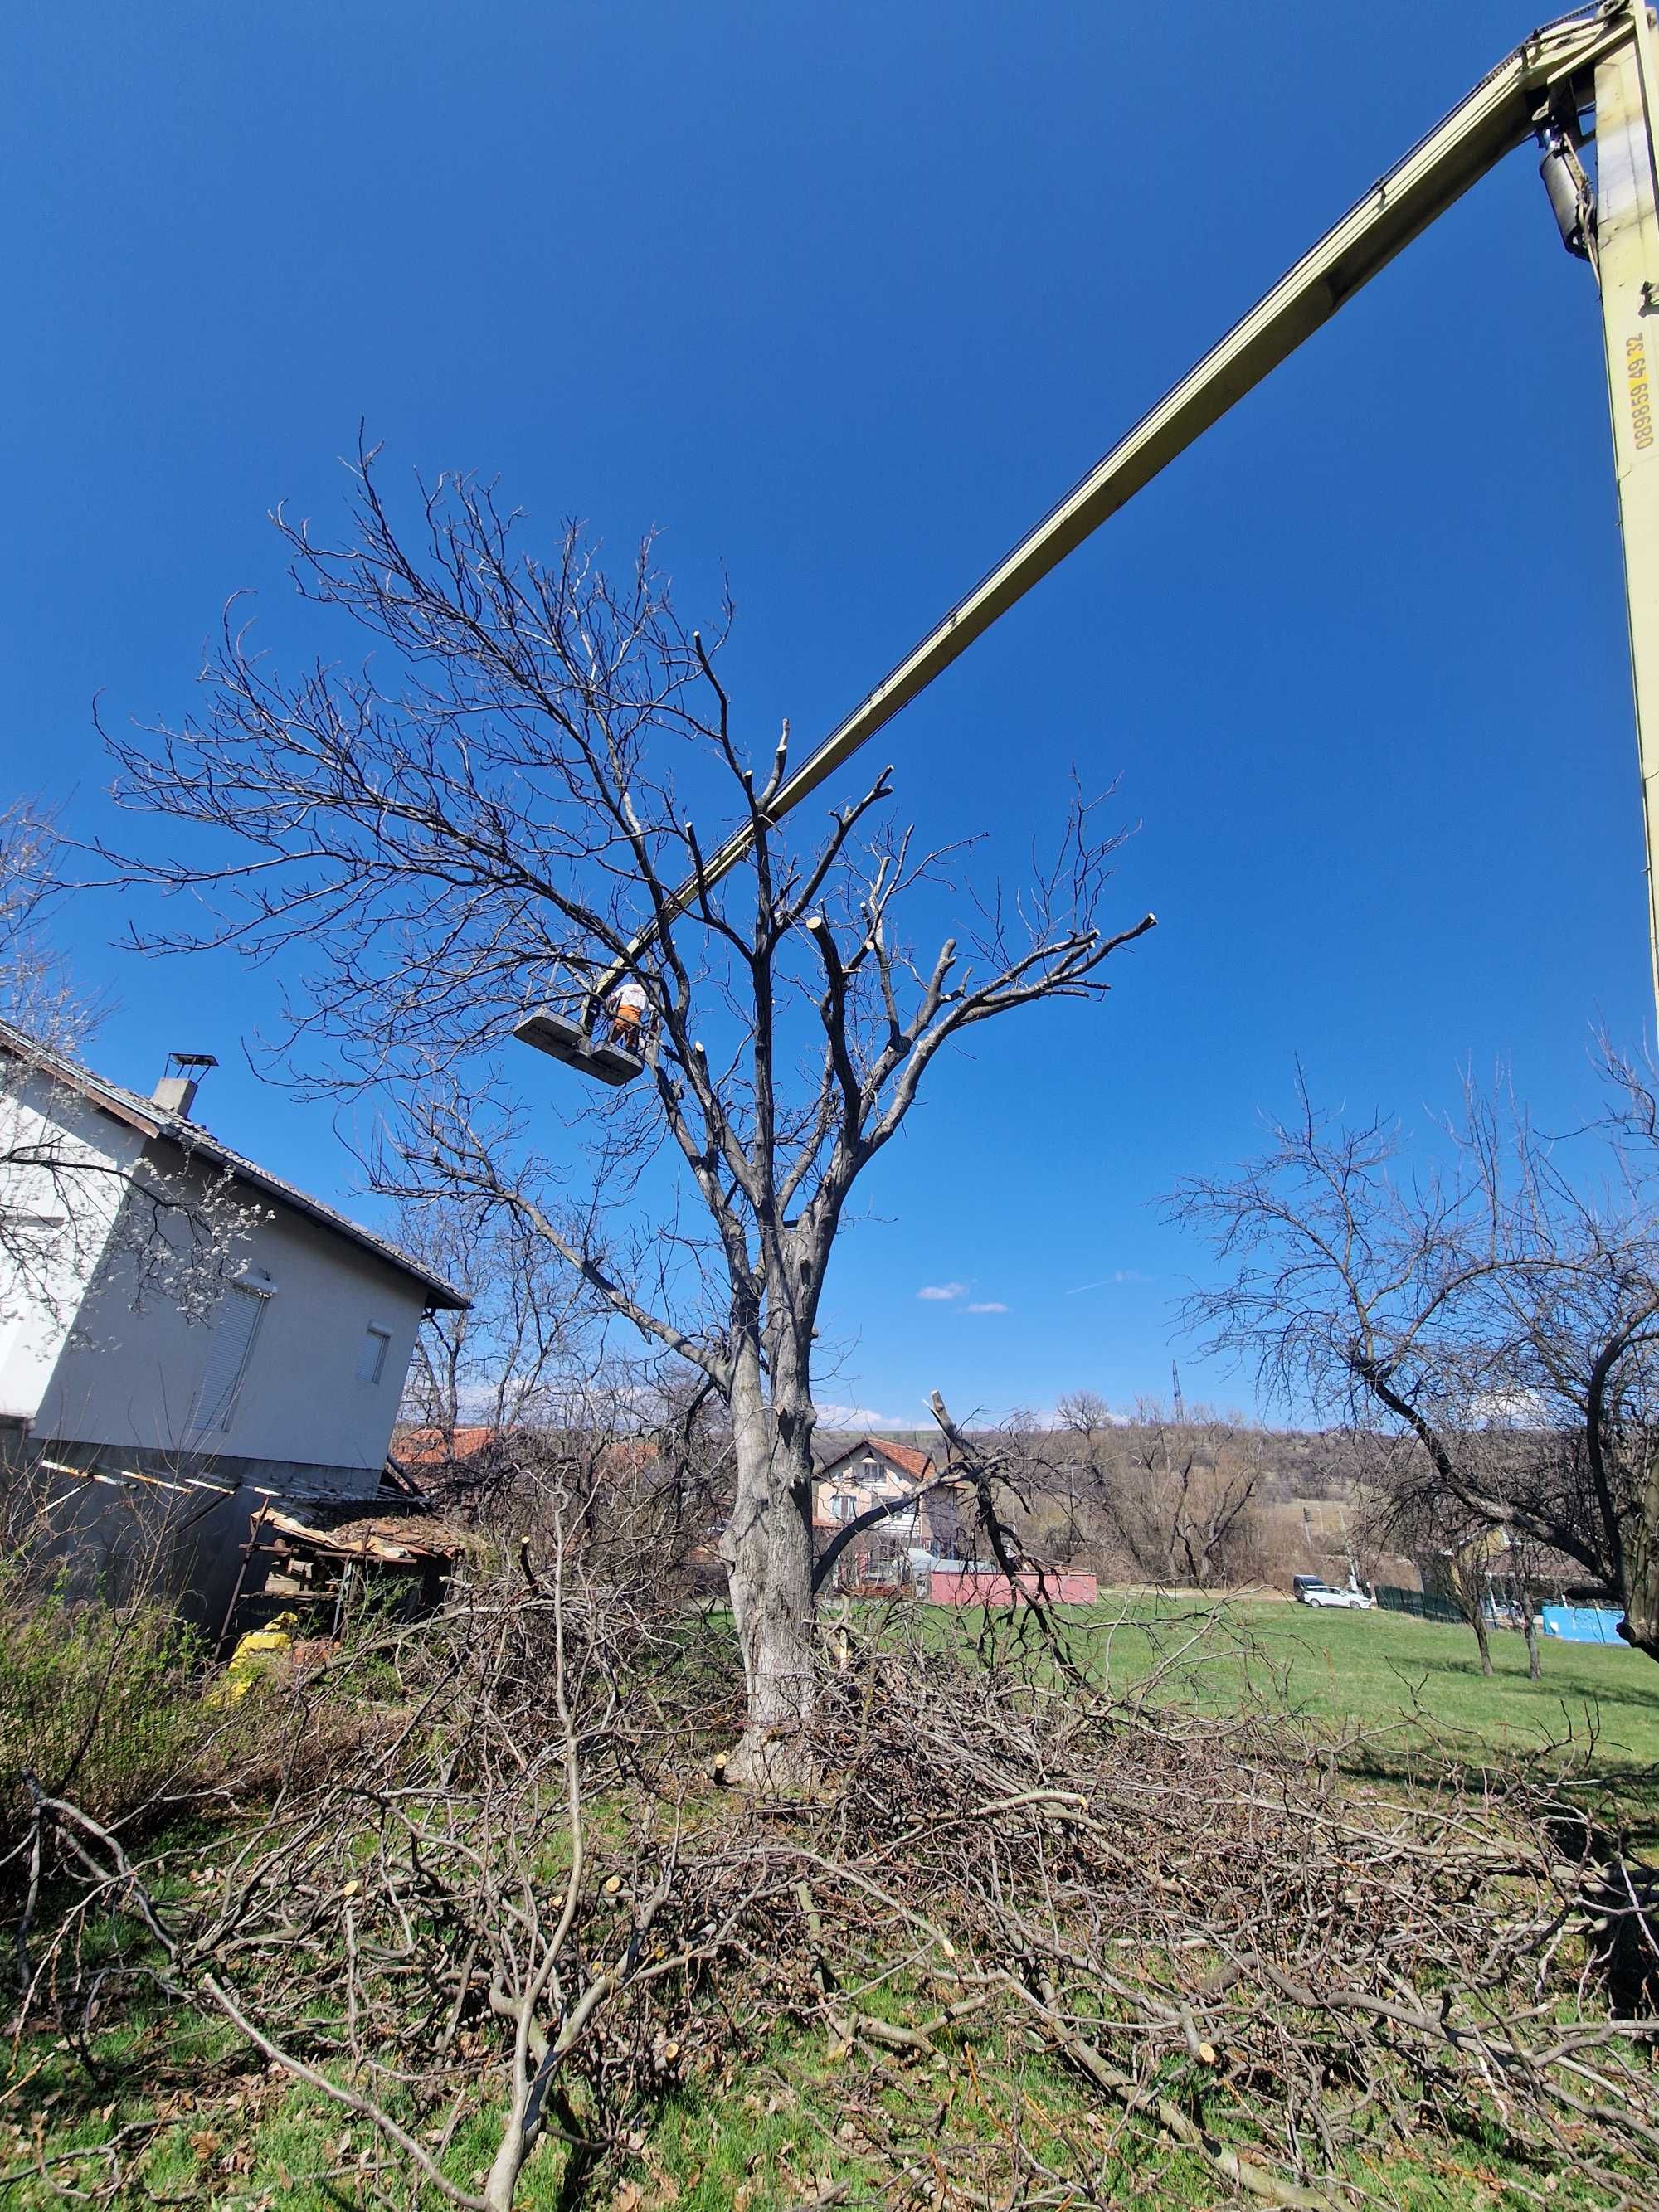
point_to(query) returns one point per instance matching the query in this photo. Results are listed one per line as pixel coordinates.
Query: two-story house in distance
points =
(872, 1471)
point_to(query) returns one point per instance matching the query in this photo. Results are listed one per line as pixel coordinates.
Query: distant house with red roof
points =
(415, 1447)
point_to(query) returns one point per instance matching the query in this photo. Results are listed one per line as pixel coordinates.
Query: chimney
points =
(176, 1093)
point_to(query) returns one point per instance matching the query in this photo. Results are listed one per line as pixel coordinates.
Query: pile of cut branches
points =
(1291, 1978)
(530, 1902)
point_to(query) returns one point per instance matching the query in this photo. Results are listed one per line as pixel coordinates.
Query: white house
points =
(874, 1472)
(177, 1322)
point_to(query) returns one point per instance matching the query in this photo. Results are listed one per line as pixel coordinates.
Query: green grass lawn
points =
(1408, 1684)
(1417, 1683)
(1373, 1667)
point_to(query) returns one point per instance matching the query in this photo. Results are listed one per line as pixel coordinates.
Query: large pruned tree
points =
(1496, 1315)
(513, 784)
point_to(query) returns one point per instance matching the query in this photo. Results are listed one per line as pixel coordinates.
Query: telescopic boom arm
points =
(1602, 55)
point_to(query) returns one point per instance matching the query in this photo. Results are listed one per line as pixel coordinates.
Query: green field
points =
(1385, 1666)
(1390, 1692)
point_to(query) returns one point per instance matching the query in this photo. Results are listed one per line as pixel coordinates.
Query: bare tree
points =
(519, 1349)
(69, 1206)
(638, 1441)
(1482, 1308)
(43, 1014)
(1170, 1492)
(1524, 1566)
(1187, 1519)
(1455, 1542)
(511, 786)
(37, 994)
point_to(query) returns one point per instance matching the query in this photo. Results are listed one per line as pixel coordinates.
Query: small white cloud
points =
(858, 1416)
(988, 1305)
(1509, 1409)
(940, 1291)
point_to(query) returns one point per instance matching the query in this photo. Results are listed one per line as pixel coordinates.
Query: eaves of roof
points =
(196, 1143)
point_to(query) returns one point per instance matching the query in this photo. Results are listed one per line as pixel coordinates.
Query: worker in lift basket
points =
(627, 1005)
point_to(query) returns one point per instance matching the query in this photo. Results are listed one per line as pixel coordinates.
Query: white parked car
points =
(1307, 1590)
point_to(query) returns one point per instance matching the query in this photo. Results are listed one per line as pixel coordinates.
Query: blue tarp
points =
(1582, 1624)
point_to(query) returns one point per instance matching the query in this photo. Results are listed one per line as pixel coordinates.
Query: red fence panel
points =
(956, 1589)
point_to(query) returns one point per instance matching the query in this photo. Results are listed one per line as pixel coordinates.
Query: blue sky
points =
(842, 300)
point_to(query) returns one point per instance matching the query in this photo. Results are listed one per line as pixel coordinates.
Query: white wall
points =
(59, 1224)
(149, 1379)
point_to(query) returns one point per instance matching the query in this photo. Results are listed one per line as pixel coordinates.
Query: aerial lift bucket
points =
(574, 1039)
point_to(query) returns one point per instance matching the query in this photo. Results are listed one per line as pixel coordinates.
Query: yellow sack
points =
(258, 1655)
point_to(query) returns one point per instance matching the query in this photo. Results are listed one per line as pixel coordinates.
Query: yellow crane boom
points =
(1627, 264)
(1601, 58)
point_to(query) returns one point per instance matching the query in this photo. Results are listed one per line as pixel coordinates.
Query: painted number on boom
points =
(1641, 398)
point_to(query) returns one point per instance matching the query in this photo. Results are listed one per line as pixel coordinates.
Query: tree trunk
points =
(1478, 1622)
(1640, 1625)
(1466, 1567)
(767, 1549)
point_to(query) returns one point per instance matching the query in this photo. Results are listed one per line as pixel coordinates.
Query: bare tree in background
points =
(1525, 1566)
(633, 1451)
(1187, 1520)
(67, 1207)
(1483, 1309)
(1173, 1488)
(517, 1351)
(514, 784)
(1456, 1544)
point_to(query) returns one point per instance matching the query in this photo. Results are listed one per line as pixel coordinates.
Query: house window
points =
(371, 1360)
(230, 1353)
